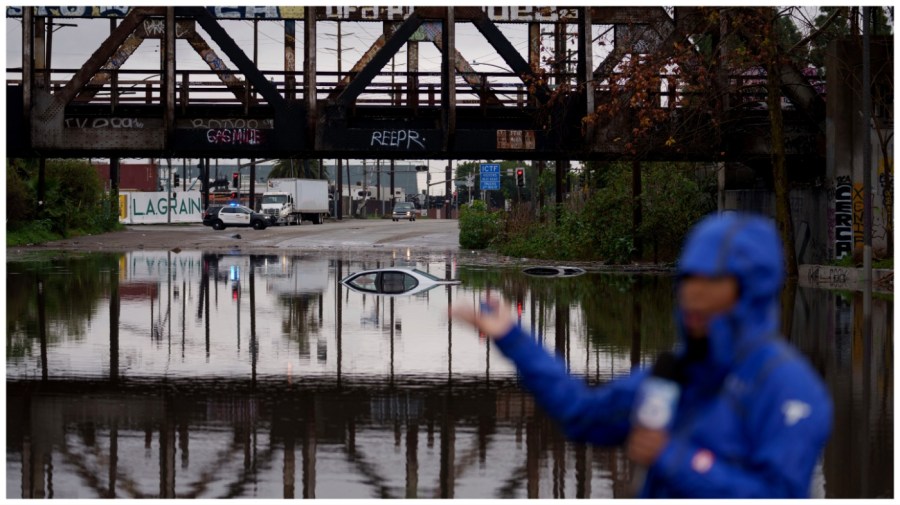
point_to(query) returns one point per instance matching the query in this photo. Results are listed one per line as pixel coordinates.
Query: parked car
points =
(223, 216)
(404, 210)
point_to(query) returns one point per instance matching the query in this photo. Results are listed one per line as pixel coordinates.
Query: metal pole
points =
(252, 194)
(169, 205)
(867, 158)
(339, 190)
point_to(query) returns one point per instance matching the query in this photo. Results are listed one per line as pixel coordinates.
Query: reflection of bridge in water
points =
(219, 438)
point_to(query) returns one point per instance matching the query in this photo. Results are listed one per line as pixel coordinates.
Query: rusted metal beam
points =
(100, 56)
(290, 81)
(115, 61)
(27, 63)
(412, 81)
(169, 73)
(378, 61)
(309, 73)
(234, 52)
(586, 59)
(448, 78)
(40, 54)
(510, 55)
(215, 63)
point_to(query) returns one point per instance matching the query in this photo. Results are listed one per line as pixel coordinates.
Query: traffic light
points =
(235, 180)
(421, 168)
(177, 180)
(520, 177)
(234, 195)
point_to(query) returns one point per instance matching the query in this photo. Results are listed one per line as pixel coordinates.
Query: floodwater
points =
(156, 374)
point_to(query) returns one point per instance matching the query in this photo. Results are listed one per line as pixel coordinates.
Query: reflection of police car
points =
(394, 281)
(220, 217)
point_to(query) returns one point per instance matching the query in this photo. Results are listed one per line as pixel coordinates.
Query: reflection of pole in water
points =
(339, 316)
(113, 458)
(169, 301)
(582, 471)
(42, 327)
(167, 452)
(206, 303)
(287, 476)
(412, 459)
(253, 343)
(392, 341)
(183, 313)
(309, 451)
(448, 452)
(447, 274)
(532, 457)
(114, 323)
(636, 324)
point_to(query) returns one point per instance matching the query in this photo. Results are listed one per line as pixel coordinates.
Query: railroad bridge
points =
(528, 109)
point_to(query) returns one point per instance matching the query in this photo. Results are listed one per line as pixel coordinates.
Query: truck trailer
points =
(290, 201)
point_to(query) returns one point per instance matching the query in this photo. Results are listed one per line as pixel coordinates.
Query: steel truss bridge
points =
(369, 111)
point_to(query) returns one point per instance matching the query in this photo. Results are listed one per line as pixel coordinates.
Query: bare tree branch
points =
(815, 33)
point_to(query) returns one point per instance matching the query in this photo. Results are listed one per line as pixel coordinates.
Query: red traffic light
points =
(520, 172)
(235, 177)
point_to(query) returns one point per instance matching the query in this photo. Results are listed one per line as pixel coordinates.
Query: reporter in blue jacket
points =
(753, 416)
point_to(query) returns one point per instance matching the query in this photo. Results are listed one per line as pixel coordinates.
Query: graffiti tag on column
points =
(232, 123)
(154, 26)
(886, 179)
(234, 136)
(858, 225)
(403, 139)
(843, 216)
(103, 122)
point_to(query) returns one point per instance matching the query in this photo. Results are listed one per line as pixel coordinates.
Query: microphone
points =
(655, 404)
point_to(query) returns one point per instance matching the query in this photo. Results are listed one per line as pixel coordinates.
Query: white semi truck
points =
(293, 200)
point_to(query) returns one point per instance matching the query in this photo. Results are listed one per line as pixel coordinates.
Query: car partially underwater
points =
(394, 281)
(553, 271)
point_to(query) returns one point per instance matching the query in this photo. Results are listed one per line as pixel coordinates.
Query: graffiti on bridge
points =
(403, 139)
(103, 122)
(232, 123)
(234, 136)
(843, 216)
(503, 13)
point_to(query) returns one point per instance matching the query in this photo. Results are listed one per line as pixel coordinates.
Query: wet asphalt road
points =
(355, 234)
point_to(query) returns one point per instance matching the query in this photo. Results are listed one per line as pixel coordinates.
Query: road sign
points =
(490, 176)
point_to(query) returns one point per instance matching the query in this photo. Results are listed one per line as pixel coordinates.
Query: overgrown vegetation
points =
(595, 223)
(74, 202)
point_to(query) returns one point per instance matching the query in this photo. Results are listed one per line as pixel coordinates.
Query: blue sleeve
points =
(789, 424)
(597, 415)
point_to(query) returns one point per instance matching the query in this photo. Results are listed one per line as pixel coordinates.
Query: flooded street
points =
(163, 374)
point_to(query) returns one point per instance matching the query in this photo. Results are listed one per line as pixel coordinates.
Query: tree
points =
(297, 168)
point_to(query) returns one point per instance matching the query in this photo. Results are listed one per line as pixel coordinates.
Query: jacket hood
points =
(748, 247)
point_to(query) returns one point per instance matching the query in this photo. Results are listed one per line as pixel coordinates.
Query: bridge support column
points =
(309, 72)
(290, 81)
(448, 78)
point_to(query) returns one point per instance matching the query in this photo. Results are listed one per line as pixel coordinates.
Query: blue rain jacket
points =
(753, 416)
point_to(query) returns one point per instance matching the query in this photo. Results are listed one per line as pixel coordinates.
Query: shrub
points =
(477, 226)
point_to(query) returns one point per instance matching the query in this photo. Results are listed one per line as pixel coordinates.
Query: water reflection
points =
(156, 374)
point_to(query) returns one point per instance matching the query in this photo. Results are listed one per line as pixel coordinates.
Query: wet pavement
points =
(184, 374)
